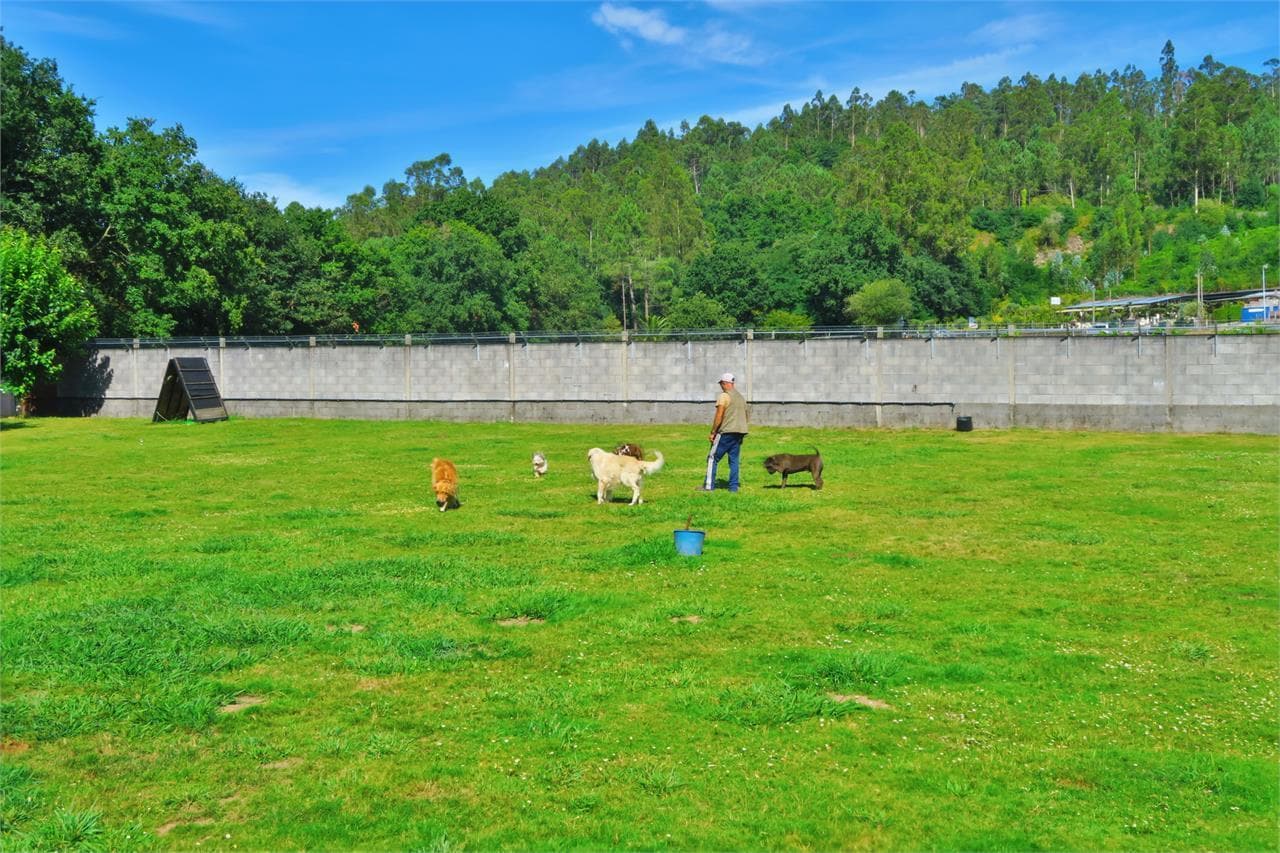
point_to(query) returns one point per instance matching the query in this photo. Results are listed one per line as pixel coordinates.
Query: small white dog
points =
(539, 464)
(612, 470)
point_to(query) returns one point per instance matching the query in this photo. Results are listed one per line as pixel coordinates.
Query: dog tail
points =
(653, 467)
(816, 453)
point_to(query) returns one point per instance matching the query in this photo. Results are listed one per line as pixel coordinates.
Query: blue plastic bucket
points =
(689, 542)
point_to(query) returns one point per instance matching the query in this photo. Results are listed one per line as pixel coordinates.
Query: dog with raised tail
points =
(444, 482)
(794, 463)
(539, 464)
(612, 470)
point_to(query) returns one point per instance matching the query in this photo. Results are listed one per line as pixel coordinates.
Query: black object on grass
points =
(188, 386)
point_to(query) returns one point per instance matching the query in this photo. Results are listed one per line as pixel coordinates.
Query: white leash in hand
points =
(711, 463)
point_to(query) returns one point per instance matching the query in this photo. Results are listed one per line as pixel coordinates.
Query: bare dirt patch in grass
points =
(354, 628)
(11, 746)
(166, 828)
(691, 618)
(426, 791)
(1076, 784)
(246, 701)
(859, 698)
(520, 621)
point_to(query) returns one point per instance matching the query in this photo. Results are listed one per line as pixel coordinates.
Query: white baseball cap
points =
(726, 377)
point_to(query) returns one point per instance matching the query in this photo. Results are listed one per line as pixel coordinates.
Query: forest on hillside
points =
(846, 209)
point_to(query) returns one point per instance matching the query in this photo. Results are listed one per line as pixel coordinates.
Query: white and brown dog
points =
(611, 470)
(539, 464)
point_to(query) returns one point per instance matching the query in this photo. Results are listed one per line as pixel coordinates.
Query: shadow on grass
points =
(721, 486)
(7, 425)
(621, 495)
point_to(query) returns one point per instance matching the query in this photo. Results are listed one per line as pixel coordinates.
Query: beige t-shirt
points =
(735, 413)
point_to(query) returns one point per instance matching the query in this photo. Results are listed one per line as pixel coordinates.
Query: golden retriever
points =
(444, 482)
(612, 470)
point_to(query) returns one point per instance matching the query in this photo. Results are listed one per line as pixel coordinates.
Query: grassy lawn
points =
(261, 634)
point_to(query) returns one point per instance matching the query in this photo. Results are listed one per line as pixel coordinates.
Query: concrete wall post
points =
(626, 371)
(408, 368)
(511, 374)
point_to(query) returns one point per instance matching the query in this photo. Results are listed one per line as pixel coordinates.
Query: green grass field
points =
(261, 634)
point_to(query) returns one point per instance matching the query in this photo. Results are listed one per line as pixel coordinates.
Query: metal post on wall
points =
(1011, 367)
(1199, 298)
(408, 367)
(1265, 314)
(626, 374)
(137, 345)
(511, 373)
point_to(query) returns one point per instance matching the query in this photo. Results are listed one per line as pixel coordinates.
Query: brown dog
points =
(444, 482)
(632, 450)
(794, 463)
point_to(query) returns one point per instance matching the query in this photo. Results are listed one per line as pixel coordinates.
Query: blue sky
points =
(311, 101)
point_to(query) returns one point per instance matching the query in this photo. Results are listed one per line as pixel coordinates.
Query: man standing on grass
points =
(727, 432)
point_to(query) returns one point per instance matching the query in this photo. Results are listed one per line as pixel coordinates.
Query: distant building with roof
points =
(1145, 307)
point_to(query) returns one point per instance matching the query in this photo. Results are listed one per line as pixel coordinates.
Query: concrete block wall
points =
(1181, 383)
(569, 371)
(811, 371)
(681, 371)
(264, 373)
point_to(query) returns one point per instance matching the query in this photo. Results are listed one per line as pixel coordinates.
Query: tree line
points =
(980, 203)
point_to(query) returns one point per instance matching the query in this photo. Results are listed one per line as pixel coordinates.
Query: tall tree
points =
(880, 302)
(45, 315)
(175, 250)
(50, 154)
(1171, 83)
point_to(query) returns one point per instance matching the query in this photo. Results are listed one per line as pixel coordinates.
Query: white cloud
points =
(751, 116)
(194, 13)
(23, 16)
(285, 189)
(709, 43)
(1018, 29)
(937, 79)
(748, 117)
(927, 81)
(579, 89)
(225, 147)
(629, 21)
(727, 47)
(29, 16)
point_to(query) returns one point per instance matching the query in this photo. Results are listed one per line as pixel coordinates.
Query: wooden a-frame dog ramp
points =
(189, 387)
